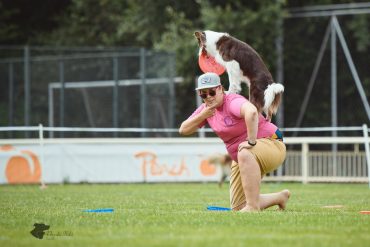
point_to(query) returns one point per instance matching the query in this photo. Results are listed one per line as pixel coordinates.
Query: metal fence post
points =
(51, 110)
(143, 90)
(367, 149)
(279, 41)
(27, 93)
(115, 94)
(62, 95)
(41, 139)
(279, 45)
(171, 87)
(334, 117)
(11, 96)
(304, 163)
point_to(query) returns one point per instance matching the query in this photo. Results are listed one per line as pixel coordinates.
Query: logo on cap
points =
(206, 80)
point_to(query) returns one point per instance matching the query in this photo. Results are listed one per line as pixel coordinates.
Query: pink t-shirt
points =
(230, 126)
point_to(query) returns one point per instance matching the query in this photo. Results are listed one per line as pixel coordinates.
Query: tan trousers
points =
(269, 153)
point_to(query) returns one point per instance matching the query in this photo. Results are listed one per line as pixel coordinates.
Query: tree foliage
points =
(169, 25)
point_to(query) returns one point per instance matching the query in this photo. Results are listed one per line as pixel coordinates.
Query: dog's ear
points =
(201, 37)
(198, 34)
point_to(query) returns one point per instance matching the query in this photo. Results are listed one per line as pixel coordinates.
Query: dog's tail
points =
(273, 94)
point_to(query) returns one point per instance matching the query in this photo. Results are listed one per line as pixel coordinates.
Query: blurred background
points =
(133, 63)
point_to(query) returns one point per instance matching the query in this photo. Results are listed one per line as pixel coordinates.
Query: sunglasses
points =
(211, 92)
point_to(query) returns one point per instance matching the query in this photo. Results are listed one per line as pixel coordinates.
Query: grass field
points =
(176, 215)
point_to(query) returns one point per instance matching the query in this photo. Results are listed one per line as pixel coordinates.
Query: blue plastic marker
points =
(99, 210)
(214, 208)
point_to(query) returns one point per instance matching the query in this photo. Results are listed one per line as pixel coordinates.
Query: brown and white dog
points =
(224, 161)
(243, 64)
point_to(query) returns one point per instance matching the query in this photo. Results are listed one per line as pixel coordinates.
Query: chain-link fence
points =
(86, 87)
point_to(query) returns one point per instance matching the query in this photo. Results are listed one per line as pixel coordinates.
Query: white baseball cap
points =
(208, 80)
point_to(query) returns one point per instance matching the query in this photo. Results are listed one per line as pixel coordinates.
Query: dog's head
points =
(207, 41)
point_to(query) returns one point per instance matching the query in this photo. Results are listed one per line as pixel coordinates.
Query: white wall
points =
(108, 160)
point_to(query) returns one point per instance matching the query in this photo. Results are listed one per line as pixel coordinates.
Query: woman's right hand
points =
(208, 111)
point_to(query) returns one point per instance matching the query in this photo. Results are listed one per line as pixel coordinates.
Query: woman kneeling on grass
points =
(254, 144)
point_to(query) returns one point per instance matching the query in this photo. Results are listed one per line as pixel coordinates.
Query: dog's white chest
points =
(233, 67)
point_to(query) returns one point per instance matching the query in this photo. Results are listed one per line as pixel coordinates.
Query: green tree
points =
(88, 23)
(23, 22)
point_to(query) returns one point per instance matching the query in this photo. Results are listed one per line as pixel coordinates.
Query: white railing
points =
(303, 165)
(325, 166)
